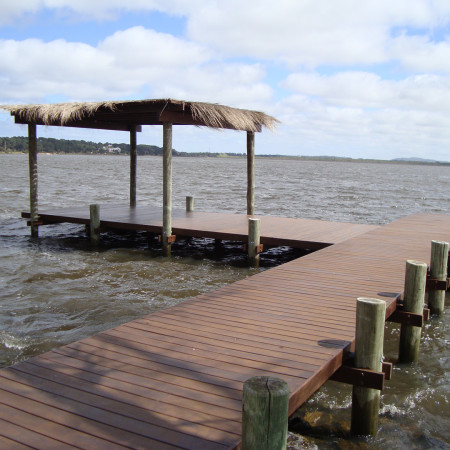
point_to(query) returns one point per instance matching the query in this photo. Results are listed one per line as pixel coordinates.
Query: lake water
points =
(57, 289)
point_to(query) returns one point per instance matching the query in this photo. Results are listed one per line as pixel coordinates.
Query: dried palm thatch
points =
(219, 116)
(61, 113)
(208, 114)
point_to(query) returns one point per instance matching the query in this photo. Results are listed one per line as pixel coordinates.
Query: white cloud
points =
(239, 85)
(133, 61)
(92, 9)
(369, 90)
(422, 54)
(311, 33)
(139, 48)
(296, 32)
(11, 10)
(326, 125)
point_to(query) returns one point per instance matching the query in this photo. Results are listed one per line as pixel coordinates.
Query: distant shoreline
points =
(50, 146)
(275, 157)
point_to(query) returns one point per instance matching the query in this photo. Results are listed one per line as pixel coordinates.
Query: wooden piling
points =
(265, 405)
(133, 165)
(438, 271)
(414, 296)
(167, 188)
(250, 173)
(32, 162)
(254, 240)
(189, 203)
(370, 317)
(94, 224)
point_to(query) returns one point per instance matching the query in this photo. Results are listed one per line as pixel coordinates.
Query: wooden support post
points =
(253, 241)
(265, 405)
(370, 314)
(167, 188)
(438, 271)
(414, 296)
(32, 162)
(133, 165)
(250, 172)
(94, 224)
(189, 204)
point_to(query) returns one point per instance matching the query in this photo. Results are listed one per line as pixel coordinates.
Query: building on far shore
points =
(110, 149)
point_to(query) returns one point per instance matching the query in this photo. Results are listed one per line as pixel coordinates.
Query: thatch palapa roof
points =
(127, 115)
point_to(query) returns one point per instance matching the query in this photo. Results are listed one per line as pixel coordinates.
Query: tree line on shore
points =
(51, 145)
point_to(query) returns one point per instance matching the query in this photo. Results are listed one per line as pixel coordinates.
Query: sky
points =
(364, 79)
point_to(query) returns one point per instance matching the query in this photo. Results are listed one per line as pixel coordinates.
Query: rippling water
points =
(57, 289)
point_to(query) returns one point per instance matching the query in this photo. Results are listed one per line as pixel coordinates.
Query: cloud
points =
(12, 10)
(297, 33)
(368, 90)
(359, 114)
(124, 64)
(421, 53)
(140, 48)
(92, 10)
(306, 33)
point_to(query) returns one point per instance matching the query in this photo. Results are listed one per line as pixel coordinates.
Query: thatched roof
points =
(123, 115)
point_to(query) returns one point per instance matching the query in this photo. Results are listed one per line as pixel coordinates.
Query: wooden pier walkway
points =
(173, 379)
(278, 231)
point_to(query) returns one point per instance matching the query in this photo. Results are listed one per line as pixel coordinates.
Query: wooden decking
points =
(300, 233)
(173, 379)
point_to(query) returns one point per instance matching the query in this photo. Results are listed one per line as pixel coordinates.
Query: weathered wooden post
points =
(370, 317)
(250, 172)
(189, 203)
(133, 165)
(438, 271)
(414, 296)
(167, 188)
(32, 162)
(254, 239)
(94, 224)
(265, 405)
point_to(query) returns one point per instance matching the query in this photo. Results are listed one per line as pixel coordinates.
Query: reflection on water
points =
(57, 289)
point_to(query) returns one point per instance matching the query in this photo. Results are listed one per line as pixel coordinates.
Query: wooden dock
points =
(173, 379)
(277, 231)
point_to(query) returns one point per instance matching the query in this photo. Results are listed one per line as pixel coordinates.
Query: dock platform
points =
(173, 379)
(277, 231)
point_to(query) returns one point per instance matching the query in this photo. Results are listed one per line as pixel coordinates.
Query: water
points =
(57, 290)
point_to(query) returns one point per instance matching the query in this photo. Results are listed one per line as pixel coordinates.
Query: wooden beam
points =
(406, 318)
(370, 315)
(179, 118)
(133, 162)
(359, 377)
(32, 163)
(414, 296)
(438, 274)
(250, 173)
(93, 124)
(167, 187)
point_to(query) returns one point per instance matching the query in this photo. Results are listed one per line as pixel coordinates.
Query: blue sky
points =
(346, 78)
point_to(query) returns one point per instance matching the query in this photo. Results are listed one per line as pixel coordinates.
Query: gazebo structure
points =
(130, 116)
